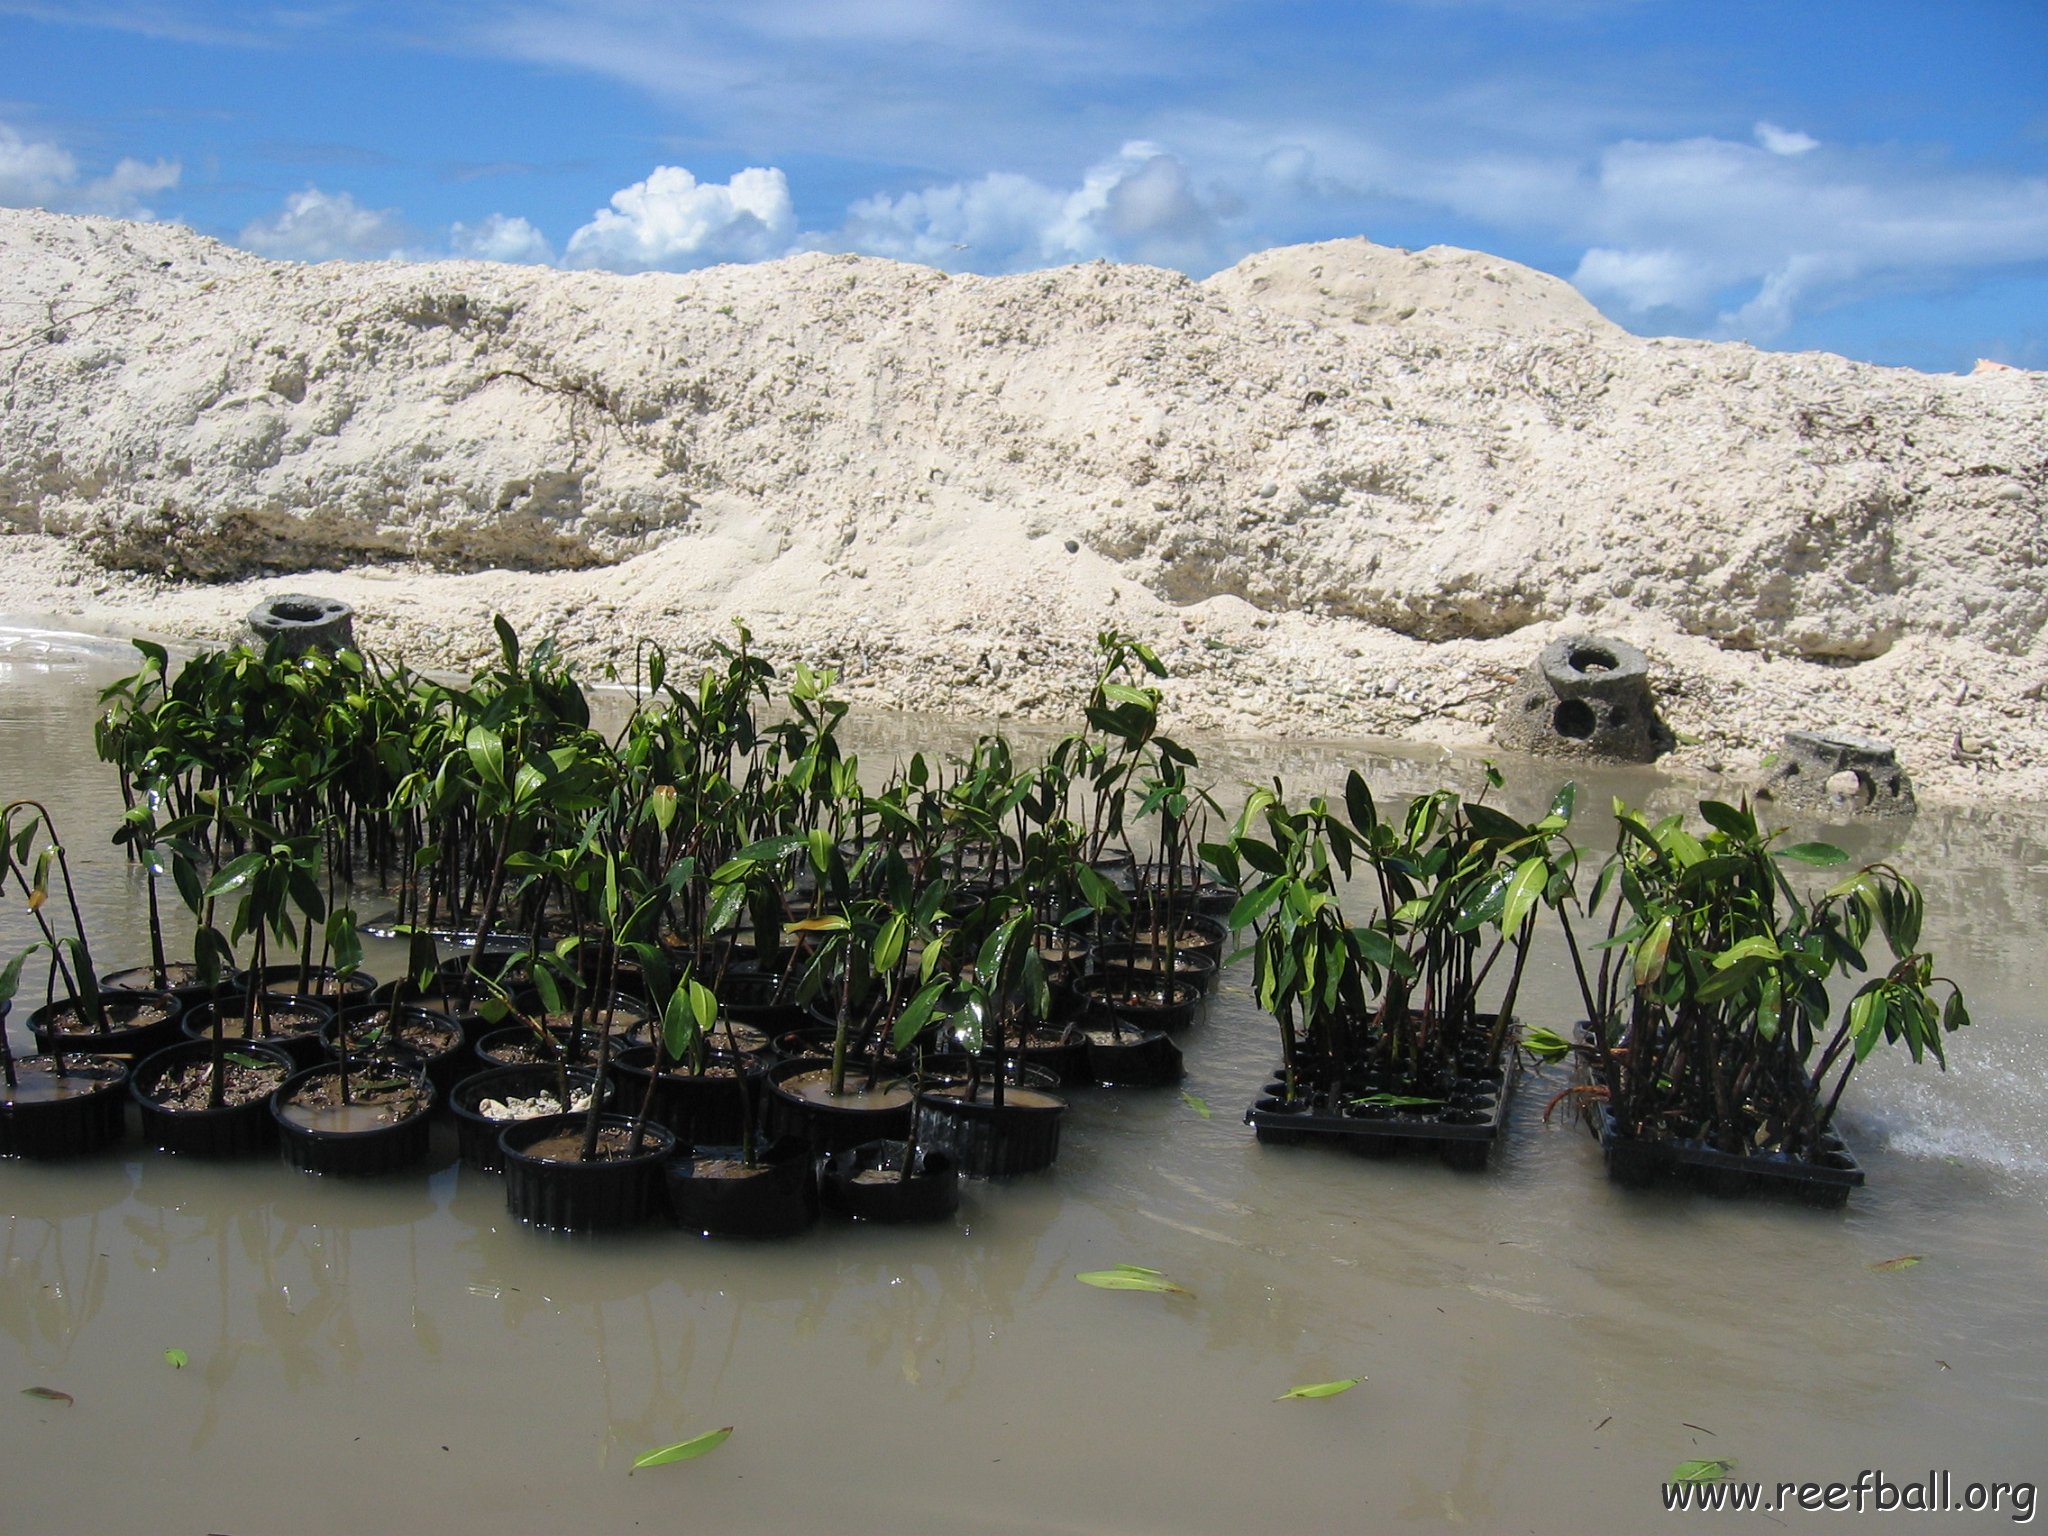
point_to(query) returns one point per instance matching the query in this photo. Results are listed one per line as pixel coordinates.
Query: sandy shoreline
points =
(1236, 670)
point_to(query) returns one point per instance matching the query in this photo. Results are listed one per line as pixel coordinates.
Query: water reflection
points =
(1539, 1348)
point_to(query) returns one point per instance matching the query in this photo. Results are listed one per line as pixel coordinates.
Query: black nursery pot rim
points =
(151, 1070)
(930, 1193)
(68, 1125)
(659, 1141)
(779, 1198)
(571, 1195)
(477, 1133)
(288, 1091)
(117, 1038)
(230, 1130)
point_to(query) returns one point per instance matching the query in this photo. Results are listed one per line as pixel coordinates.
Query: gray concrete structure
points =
(1584, 696)
(303, 623)
(1838, 773)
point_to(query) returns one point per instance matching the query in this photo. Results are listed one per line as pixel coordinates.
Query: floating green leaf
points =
(1890, 1266)
(687, 1450)
(47, 1394)
(1709, 1471)
(1820, 855)
(1133, 1277)
(177, 1359)
(1320, 1389)
(1197, 1103)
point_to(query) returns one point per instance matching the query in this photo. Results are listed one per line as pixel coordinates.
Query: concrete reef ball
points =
(1836, 772)
(1585, 696)
(301, 623)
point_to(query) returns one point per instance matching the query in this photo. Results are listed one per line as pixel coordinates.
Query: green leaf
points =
(1531, 875)
(48, 1394)
(678, 1024)
(1261, 856)
(486, 750)
(1195, 1102)
(913, 1019)
(233, 873)
(1868, 1011)
(1320, 1389)
(1756, 946)
(889, 942)
(1709, 1471)
(1740, 825)
(1563, 803)
(1132, 1277)
(1651, 953)
(1820, 855)
(1954, 1015)
(687, 1450)
(177, 1359)
(1893, 1266)
(1255, 903)
(1358, 802)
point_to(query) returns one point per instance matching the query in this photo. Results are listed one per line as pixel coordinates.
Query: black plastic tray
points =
(1638, 1163)
(1461, 1143)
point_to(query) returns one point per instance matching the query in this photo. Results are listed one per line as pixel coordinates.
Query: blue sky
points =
(1868, 178)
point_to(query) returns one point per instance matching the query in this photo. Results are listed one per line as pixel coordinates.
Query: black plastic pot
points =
(350, 1140)
(1066, 1055)
(181, 978)
(513, 1045)
(233, 1130)
(49, 1116)
(755, 998)
(1129, 1057)
(569, 1195)
(796, 1108)
(1144, 964)
(988, 1141)
(698, 1108)
(446, 999)
(847, 1184)
(1064, 959)
(1141, 1003)
(61, 1024)
(320, 982)
(776, 1197)
(446, 1063)
(476, 1134)
(1193, 931)
(295, 1025)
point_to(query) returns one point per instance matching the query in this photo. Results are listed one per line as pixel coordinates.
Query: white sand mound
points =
(1352, 487)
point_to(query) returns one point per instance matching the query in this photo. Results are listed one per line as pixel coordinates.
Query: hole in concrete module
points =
(298, 613)
(1574, 719)
(1592, 658)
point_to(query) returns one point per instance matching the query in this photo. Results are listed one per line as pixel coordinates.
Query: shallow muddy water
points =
(1540, 1348)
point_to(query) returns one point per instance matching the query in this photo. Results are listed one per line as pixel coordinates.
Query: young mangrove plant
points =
(1711, 1007)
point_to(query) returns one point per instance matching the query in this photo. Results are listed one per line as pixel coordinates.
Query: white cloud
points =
(1744, 238)
(1140, 204)
(43, 175)
(500, 238)
(672, 221)
(327, 226)
(1785, 141)
(1644, 281)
